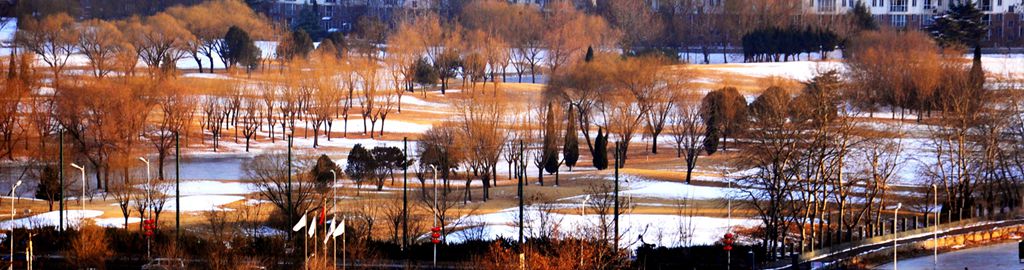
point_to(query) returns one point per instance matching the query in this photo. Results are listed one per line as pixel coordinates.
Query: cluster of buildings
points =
(1004, 17)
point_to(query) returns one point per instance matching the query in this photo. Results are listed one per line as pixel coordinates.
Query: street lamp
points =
(15, 187)
(81, 200)
(583, 218)
(895, 234)
(149, 200)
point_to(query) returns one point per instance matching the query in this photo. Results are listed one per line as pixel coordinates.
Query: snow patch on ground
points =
(796, 70)
(202, 202)
(50, 219)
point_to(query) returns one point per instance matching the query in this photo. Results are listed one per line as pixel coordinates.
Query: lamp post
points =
(149, 200)
(895, 235)
(435, 210)
(728, 228)
(935, 229)
(15, 187)
(81, 200)
(583, 217)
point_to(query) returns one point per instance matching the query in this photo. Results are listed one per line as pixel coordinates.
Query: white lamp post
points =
(15, 187)
(895, 235)
(81, 200)
(149, 201)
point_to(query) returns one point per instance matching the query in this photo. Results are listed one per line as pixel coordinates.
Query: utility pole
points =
(522, 193)
(177, 186)
(405, 197)
(935, 229)
(60, 173)
(291, 209)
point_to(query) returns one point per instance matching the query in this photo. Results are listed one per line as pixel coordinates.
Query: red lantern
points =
(149, 233)
(727, 241)
(435, 235)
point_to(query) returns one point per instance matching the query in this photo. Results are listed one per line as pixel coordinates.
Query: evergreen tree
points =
(321, 172)
(550, 158)
(977, 75)
(601, 150)
(571, 149)
(862, 18)
(711, 137)
(302, 44)
(309, 21)
(960, 26)
(423, 72)
(49, 186)
(361, 165)
(239, 49)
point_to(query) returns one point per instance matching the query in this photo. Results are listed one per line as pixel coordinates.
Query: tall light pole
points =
(15, 187)
(81, 200)
(895, 235)
(435, 210)
(149, 200)
(935, 229)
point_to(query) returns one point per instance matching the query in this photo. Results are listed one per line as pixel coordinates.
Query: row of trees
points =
(821, 174)
(774, 44)
(159, 40)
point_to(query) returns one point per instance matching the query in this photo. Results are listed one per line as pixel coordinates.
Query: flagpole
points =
(305, 253)
(334, 217)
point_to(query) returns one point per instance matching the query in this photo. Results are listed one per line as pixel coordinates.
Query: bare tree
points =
(54, 39)
(290, 194)
(100, 41)
(687, 128)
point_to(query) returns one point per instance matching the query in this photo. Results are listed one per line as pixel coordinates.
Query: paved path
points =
(1001, 256)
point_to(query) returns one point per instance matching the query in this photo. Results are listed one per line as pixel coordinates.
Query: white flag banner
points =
(340, 229)
(312, 228)
(300, 225)
(330, 232)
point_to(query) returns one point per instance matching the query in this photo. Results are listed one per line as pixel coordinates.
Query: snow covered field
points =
(664, 230)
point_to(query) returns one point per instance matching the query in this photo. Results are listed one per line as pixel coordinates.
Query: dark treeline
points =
(781, 44)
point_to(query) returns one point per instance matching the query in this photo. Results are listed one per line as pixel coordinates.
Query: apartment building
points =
(341, 15)
(1003, 17)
